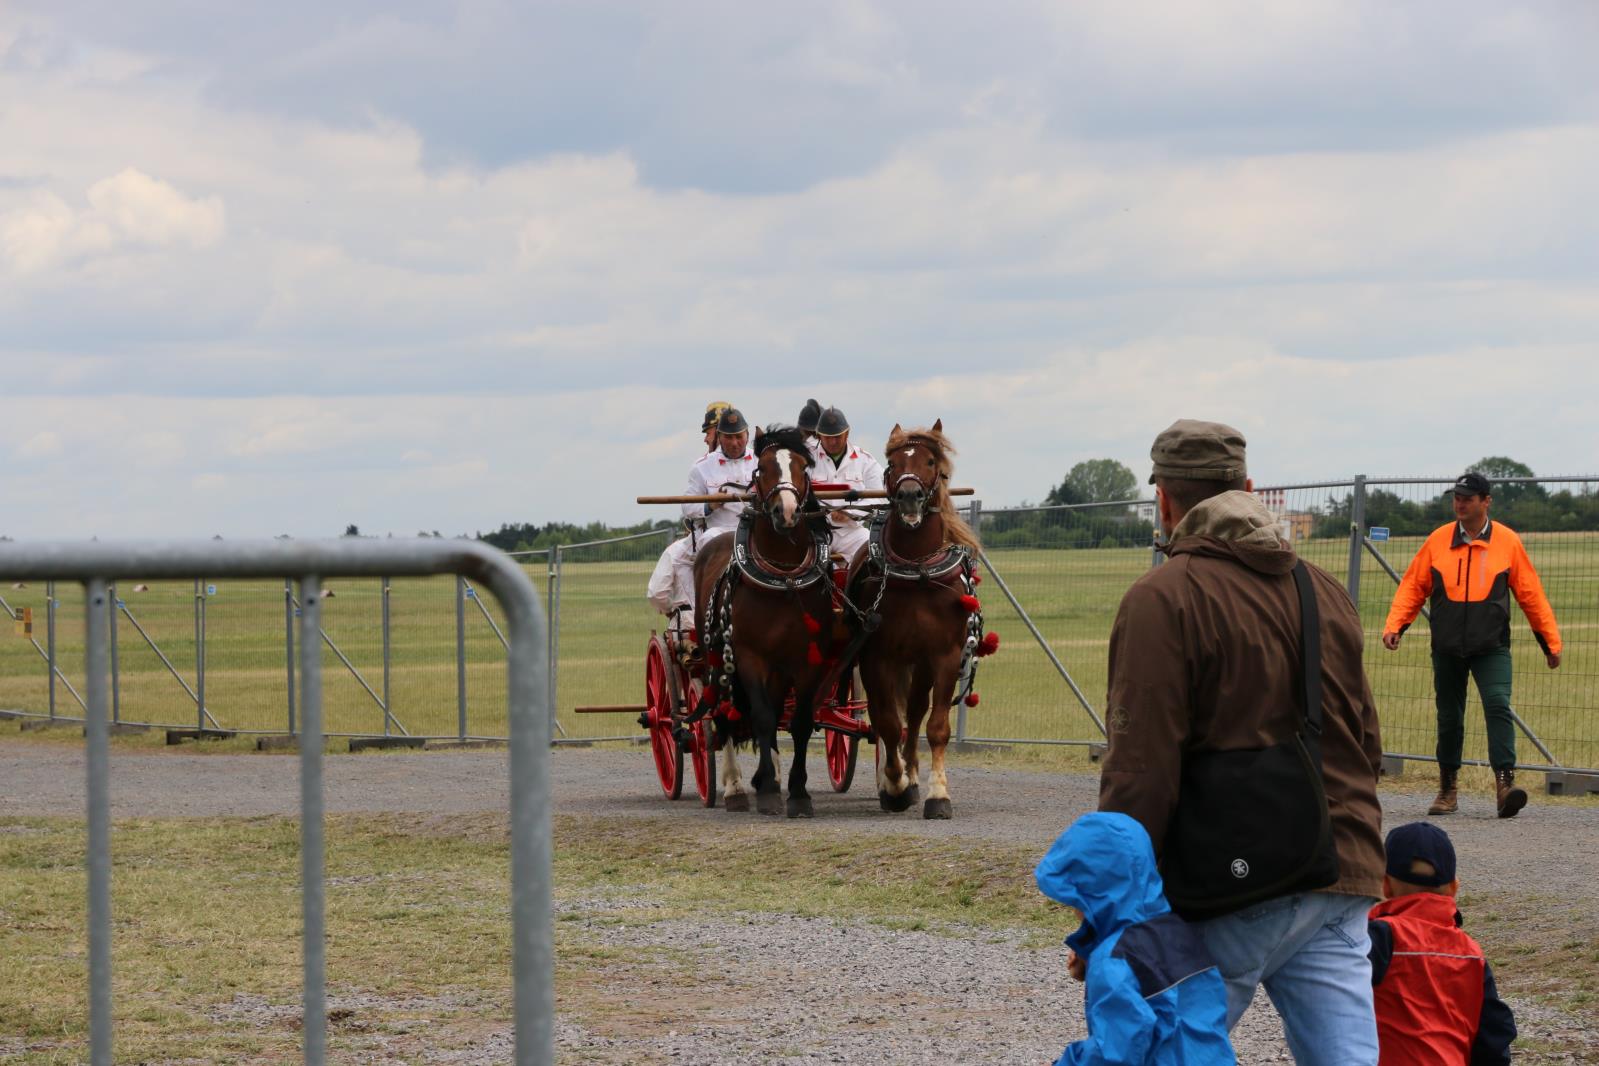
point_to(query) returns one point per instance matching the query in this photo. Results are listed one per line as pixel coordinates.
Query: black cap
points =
(732, 421)
(808, 416)
(1472, 483)
(832, 423)
(1425, 842)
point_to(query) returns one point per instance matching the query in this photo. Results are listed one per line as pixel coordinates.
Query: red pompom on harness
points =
(726, 710)
(989, 645)
(969, 602)
(813, 654)
(812, 626)
(972, 700)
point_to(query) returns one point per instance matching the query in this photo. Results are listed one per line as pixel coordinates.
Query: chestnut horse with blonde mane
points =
(919, 569)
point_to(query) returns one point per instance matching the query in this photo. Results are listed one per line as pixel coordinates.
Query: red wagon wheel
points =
(702, 756)
(842, 748)
(659, 686)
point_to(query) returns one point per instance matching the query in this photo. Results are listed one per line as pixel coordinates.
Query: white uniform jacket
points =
(708, 476)
(858, 469)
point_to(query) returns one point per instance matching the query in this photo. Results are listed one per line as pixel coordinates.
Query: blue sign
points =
(471, 593)
(296, 612)
(1379, 532)
(121, 606)
(210, 590)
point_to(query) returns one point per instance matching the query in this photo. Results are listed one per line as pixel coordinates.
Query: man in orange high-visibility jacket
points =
(1470, 569)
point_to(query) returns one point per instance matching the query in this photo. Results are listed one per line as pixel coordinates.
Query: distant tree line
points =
(528, 536)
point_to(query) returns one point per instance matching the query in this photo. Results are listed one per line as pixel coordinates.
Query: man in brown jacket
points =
(1204, 656)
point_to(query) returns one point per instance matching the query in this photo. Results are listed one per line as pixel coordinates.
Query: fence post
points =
(50, 639)
(974, 512)
(555, 637)
(98, 860)
(288, 643)
(460, 656)
(116, 673)
(1357, 532)
(199, 656)
(314, 1013)
(387, 718)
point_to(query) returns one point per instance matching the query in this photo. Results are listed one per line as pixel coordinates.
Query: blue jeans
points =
(1310, 951)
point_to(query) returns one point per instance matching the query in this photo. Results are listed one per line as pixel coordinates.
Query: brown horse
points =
(918, 568)
(763, 595)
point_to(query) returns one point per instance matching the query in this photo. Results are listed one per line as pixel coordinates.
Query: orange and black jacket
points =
(1470, 584)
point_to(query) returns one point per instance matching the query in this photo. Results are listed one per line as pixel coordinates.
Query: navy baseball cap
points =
(1472, 484)
(1425, 842)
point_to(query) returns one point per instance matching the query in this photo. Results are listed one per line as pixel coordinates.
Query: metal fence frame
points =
(98, 566)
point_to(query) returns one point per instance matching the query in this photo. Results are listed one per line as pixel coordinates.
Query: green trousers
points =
(1491, 670)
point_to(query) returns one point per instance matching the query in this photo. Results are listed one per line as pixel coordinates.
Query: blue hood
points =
(1103, 865)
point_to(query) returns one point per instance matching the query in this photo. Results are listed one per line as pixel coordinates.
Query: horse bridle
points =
(766, 502)
(927, 490)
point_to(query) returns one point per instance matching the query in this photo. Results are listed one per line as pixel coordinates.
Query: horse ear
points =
(938, 427)
(896, 431)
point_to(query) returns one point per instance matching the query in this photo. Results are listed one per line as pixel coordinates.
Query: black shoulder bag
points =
(1253, 824)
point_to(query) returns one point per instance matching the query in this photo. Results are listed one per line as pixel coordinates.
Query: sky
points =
(441, 266)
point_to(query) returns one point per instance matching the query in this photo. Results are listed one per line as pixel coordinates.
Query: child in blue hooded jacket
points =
(1152, 995)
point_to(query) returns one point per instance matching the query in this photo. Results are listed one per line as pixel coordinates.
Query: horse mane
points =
(956, 530)
(780, 435)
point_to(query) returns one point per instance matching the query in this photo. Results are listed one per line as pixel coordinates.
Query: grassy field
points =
(604, 625)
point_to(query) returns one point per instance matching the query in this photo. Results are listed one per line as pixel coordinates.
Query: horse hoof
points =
(937, 808)
(737, 801)
(913, 796)
(895, 804)
(769, 802)
(800, 807)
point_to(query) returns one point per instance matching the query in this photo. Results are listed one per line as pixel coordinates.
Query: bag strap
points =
(1310, 630)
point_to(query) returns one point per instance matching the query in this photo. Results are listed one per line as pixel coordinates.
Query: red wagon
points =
(672, 689)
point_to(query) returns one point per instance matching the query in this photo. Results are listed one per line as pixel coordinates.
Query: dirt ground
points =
(987, 1000)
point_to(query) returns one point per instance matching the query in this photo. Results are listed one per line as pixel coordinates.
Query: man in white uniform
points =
(661, 591)
(729, 469)
(842, 463)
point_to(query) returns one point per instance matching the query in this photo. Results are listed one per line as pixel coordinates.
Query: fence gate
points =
(99, 566)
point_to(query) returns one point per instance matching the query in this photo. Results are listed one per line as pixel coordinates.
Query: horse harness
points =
(950, 567)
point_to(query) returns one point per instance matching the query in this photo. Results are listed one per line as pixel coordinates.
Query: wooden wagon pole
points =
(749, 497)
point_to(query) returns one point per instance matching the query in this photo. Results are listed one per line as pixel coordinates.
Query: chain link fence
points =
(425, 658)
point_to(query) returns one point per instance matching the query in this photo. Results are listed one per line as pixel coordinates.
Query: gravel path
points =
(972, 998)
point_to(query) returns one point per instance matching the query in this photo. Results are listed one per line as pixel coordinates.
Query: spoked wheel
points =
(842, 748)
(658, 703)
(702, 756)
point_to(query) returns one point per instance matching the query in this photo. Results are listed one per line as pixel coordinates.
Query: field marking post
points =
(556, 562)
(199, 658)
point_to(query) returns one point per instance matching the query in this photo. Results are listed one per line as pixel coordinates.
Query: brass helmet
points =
(713, 411)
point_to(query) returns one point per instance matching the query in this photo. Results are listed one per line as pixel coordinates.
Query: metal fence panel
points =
(96, 565)
(603, 622)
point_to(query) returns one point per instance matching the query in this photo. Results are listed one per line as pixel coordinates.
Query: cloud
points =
(129, 210)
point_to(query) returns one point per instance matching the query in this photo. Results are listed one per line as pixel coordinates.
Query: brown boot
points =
(1448, 800)
(1511, 798)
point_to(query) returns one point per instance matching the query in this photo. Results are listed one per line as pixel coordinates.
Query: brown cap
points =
(1198, 451)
